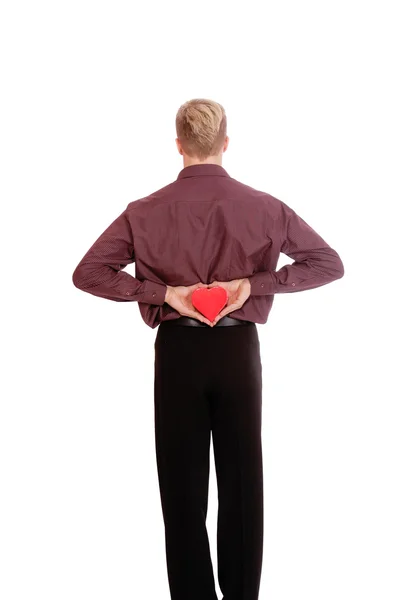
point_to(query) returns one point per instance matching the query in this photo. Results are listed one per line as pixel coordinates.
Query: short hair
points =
(201, 127)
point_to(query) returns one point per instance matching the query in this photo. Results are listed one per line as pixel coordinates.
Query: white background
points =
(89, 96)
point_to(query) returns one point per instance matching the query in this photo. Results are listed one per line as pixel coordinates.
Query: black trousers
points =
(208, 380)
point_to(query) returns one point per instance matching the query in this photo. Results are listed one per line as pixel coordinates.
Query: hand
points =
(179, 297)
(238, 292)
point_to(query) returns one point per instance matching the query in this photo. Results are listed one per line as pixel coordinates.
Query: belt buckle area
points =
(190, 321)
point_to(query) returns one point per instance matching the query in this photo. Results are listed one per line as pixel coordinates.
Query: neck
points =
(210, 160)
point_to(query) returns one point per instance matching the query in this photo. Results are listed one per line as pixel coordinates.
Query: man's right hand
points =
(238, 292)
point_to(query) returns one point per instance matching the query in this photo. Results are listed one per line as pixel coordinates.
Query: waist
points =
(189, 322)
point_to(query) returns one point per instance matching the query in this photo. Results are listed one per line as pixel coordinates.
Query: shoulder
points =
(151, 200)
(266, 200)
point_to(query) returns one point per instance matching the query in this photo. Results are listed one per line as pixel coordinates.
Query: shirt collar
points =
(203, 169)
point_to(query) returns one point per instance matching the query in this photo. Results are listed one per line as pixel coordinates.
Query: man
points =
(207, 229)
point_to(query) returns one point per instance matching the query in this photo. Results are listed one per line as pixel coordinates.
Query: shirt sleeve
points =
(100, 272)
(315, 262)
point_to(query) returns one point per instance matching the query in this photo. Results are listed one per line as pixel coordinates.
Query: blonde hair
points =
(201, 127)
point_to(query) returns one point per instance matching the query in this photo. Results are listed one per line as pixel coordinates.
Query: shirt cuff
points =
(154, 293)
(261, 284)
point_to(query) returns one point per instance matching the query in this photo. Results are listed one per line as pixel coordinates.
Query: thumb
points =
(243, 295)
(193, 287)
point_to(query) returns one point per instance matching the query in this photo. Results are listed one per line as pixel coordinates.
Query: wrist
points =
(168, 293)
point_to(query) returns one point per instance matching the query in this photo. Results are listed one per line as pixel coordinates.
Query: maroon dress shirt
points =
(205, 226)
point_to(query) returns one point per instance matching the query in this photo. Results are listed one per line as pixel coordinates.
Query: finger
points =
(197, 315)
(242, 297)
(191, 288)
(226, 311)
(203, 319)
(196, 286)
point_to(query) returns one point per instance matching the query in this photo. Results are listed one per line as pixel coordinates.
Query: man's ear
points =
(178, 145)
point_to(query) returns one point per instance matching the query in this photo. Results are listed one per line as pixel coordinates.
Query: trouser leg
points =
(236, 415)
(182, 434)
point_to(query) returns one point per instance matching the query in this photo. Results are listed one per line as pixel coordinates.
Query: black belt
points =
(225, 321)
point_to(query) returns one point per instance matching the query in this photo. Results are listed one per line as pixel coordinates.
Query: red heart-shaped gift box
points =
(210, 301)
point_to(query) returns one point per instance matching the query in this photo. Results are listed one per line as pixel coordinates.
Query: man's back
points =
(206, 226)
